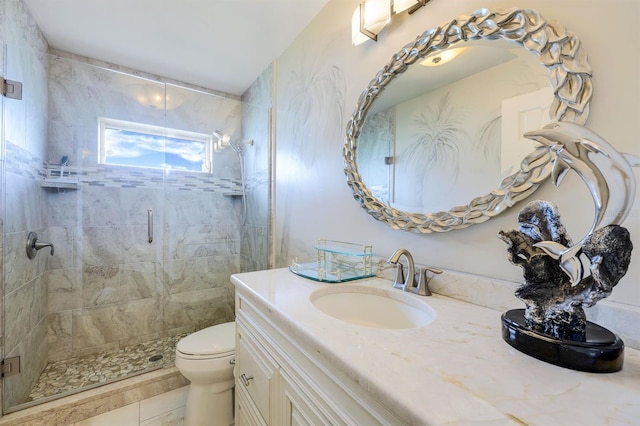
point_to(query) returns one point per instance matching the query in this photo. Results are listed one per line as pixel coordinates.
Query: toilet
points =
(206, 358)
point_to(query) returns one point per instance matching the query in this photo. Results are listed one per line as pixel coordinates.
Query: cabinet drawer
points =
(254, 372)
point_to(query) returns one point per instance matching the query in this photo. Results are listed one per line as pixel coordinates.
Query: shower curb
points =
(90, 403)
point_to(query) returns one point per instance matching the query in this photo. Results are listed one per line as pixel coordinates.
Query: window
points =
(125, 143)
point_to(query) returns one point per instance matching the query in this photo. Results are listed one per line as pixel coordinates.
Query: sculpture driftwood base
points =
(602, 352)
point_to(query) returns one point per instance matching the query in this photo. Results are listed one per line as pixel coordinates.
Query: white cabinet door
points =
(256, 372)
(247, 414)
(298, 407)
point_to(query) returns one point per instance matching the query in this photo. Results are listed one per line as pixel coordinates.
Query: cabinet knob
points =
(245, 380)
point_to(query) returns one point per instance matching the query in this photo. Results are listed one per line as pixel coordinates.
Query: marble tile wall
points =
(23, 146)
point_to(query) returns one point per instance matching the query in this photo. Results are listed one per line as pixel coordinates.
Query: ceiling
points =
(218, 44)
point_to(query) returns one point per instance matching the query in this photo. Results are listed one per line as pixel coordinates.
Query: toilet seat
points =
(217, 341)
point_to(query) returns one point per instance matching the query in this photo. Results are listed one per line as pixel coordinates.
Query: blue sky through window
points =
(140, 149)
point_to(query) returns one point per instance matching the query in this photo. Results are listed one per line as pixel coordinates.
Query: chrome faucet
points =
(406, 284)
(409, 282)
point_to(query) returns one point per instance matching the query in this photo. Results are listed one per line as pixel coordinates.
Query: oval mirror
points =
(451, 128)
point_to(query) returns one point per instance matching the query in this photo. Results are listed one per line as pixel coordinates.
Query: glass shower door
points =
(92, 312)
(145, 215)
(202, 230)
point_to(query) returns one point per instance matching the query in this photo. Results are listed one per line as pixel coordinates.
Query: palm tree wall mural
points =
(434, 150)
(312, 116)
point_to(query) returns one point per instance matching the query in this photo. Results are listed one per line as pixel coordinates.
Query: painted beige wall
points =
(320, 77)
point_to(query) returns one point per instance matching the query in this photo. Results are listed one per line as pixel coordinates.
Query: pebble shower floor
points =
(61, 378)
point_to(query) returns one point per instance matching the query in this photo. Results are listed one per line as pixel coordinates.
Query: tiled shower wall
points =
(24, 143)
(25, 291)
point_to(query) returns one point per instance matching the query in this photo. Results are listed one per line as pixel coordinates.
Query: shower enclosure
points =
(121, 173)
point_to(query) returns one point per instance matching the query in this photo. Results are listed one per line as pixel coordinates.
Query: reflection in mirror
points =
(448, 131)
(451, 130)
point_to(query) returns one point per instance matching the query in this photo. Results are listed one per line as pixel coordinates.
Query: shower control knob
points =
(34, 244)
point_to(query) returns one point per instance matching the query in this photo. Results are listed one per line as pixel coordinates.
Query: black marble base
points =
(603, 351)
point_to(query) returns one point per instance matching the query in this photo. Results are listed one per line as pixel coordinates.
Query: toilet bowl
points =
(206, 358)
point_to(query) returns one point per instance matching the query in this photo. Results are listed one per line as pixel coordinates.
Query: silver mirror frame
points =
(559, 50)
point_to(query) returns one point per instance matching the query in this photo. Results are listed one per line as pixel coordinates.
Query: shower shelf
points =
(57, 179)
(57, 183)
(233, 194)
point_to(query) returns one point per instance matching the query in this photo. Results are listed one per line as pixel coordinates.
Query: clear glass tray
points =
(336, 262)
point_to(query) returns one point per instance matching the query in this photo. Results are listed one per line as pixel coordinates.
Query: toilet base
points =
(206, 407)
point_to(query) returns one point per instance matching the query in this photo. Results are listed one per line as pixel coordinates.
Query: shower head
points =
(238, 147)
(222, 137)
(225, 140)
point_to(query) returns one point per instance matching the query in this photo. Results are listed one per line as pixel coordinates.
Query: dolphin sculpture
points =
(572, 146)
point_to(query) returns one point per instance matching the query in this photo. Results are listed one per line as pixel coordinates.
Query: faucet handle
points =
(399, 282)
(436, 271)
(422, 286)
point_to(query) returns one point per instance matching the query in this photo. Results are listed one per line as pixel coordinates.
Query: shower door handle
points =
(150, 225)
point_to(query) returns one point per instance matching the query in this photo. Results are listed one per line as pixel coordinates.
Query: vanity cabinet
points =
(280, 381)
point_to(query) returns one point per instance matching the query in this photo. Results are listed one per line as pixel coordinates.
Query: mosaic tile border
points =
(123, 177)
(23, 163)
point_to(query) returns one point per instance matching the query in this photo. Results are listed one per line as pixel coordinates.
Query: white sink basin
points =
(372, 307)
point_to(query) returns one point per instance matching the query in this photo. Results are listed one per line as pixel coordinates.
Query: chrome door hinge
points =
(10, 366)
(11, 89)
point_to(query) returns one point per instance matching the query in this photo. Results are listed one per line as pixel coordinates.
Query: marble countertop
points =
(456, 369)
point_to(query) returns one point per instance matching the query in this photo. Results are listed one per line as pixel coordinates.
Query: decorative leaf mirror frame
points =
(559, 50)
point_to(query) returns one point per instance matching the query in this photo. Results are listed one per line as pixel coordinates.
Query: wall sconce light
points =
(371, 16)
(410, 6)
